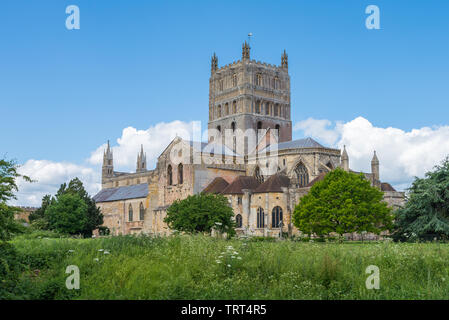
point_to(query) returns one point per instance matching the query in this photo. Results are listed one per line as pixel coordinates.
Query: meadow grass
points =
(201, 267)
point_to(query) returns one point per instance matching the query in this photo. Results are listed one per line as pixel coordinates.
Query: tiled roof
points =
(319, 178)
(122, 193)
(216, 186)
(240, 183)
(385, 186)
(275, 183)
(215, 148)
(296, 144)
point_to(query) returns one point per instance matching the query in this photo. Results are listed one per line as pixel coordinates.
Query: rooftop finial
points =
(245, 51)
(284, 60)
(214, 63)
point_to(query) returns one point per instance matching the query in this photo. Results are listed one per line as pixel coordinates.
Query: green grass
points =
(186, 267)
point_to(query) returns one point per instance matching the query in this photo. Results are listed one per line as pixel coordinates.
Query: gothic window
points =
(238, 220)
(219, 128)
(130, 213)
(260, 218)
(221, 85)
(180, 174)
(267, 108)
(277, 128)
(233, 127)
(169, 175)
(259, 125)
(329, 165)
(302, 176)
(234, 80)
(259, 177)
(141, 212)
(258, 79)
(219, 111)
(234, 107)
(276, 217)
(276, 110)
(276, 83)
(257, 106)
(239, 200)
(226, 110)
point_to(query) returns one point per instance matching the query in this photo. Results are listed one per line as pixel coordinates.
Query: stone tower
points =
(249, 94)
(108, 164)
(375, 170)
(141, 161)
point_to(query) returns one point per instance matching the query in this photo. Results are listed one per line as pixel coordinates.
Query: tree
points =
(94, 215)
(68, 214)
(343, 202)
(426, 213)
(39, 213)
(200, 213)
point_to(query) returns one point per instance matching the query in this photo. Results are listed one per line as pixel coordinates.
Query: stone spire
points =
(345, 160)
(214, 63)
(245, 51)
(284, 60)
(141, 160)
(108, 163)
(375, 168)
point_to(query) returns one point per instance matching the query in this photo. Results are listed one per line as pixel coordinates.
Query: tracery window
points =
(302, 176)
(276, 217)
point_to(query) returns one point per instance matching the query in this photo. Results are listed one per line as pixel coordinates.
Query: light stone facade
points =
(244, 95)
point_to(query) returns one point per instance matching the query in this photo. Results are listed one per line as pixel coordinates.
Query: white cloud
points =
(155, 139)
(402, 154)
(49, 176)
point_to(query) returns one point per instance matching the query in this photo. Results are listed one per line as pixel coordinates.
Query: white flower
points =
(106, 252)
(96, 259)
(229, 265)
(71, 250)
(218, 223)
(100, 250)
(232, 257)
(220, 257)
(235, 252)
(239, 258)
(217, 261)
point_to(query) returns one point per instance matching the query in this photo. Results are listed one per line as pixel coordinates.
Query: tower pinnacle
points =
(245, 51)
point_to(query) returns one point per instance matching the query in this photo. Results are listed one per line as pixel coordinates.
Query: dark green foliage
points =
(426, 213)
(201, 213)
(92, 217)
(343, 202)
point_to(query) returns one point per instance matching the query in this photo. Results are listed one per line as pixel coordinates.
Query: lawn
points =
(201, 267)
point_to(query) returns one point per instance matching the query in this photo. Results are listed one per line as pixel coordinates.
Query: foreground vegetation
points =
(201, 267)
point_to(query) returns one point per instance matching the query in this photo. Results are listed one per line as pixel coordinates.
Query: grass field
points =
(200, 267)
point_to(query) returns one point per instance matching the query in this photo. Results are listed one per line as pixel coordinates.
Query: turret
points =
(284, 60)
(141, 161)
(108, 164)
(214, 64)
(245, 51)
(375, 169)
(345, 160)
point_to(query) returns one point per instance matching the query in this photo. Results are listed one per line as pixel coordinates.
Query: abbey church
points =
(249, 157)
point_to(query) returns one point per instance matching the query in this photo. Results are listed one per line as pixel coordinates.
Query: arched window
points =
(276, 83)
(169, 175)
(180, 174)
(234, 80)
(259, 125)
(233, 126)
(276, 217)
(276, 110)
(141, 212)
(302, 176)
(259, 79)
(234, 107)
(238, 221)
(277, 127)
(219, 111)
(267, 108)
(258, 175)
(221, 85)
(219, 128)
(130, 213)
(260, 218)
(226, 109)
(257, 106)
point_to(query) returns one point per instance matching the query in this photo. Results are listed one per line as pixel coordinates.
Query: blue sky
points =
(138, 63)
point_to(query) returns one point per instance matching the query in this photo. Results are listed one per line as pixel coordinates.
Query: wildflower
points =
(70, 251)
(229, 265)
(100, 250)
(217, 261)
(220, 257)
(239, 258)
(106, 252)
(232, 257)
(96, 259)
(218, 223)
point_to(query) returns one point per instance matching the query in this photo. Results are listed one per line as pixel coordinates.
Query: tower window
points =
(257, 106)
(267, 108)
(233, 126)
(234, 107)
(276, 83)
(234, 80)
(221, 85)
(226, 110)
(219, 111)
(258, 79)
(276, 110)
(302, 176)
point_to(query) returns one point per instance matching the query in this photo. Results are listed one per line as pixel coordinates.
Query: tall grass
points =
(200, 267)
